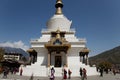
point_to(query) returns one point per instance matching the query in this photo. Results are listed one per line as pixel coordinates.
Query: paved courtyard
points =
(105, 77)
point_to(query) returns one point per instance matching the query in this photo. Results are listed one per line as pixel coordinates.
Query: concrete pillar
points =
(80, 58)
(83, 58)
(48, 59)
(87, 61)
(66, 60)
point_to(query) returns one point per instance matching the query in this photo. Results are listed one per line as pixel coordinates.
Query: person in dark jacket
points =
(52, 77)
(69, 74)
(80, 72)
(101, 72)
(65, 74)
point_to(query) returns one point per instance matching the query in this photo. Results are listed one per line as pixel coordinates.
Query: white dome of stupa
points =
(59, 21)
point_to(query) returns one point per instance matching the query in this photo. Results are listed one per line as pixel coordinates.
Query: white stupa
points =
(59, 47)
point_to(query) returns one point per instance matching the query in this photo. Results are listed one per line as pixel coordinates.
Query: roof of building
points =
(85, 50)
(10, 50)
(31, 50)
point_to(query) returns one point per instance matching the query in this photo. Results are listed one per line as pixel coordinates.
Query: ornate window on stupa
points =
(57, 42)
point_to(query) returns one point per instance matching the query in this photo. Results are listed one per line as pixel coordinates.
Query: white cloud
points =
(18, 44)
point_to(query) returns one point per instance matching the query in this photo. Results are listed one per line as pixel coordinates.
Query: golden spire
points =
(59, 6)
(58, 34)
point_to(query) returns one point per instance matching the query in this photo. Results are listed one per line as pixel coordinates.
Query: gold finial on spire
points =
(59, 1)
(59, 6)
(58, 34)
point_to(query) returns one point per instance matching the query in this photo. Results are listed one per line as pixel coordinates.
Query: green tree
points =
(105, 65)
(1, 54)
(24, 59)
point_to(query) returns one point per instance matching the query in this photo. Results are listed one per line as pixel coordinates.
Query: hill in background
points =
(112, 56)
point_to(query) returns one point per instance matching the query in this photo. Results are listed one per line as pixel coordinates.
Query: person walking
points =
(5, 73)
(52, 77)
(81, 72)
(84, 73)
(101, 72)
(114, 72)
(65, 74)
(21, 71)
(69, 74)
(31, 77)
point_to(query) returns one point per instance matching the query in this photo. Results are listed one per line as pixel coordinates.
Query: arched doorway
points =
(58, 61)
(57, 44)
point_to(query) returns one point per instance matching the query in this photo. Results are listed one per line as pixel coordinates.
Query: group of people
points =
(83, 73)
(68, 72)
(102, 70)
(64, 73)
(7, 70)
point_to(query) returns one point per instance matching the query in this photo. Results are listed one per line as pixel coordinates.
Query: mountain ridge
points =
(112, 56)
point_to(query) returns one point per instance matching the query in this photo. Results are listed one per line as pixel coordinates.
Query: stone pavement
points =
(105, 77)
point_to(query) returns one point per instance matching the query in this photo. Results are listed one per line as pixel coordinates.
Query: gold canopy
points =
(58, 43)
(85, 50)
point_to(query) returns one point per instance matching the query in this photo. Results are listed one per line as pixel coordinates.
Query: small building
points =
(13, 58)
(16, 54)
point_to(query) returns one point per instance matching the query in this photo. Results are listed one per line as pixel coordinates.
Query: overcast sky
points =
(96, 20)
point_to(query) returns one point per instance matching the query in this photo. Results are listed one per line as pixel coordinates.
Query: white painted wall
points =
(40, 67)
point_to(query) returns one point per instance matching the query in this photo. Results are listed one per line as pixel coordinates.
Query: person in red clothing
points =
(65, 74)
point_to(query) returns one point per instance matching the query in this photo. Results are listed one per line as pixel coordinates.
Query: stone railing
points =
(48, 30)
